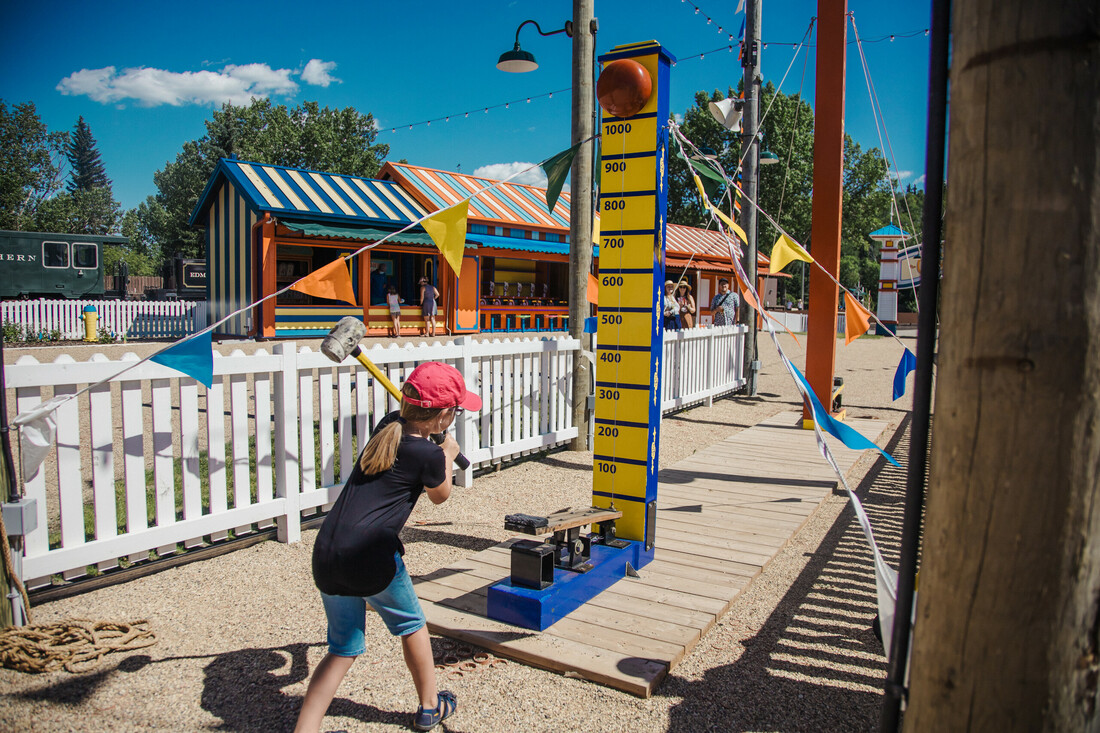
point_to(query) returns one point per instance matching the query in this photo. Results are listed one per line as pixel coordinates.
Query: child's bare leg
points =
(322, 688)
(417, 647)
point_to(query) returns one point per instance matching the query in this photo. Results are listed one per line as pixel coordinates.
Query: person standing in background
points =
(378, 284)
(428, 295)
(724, 305)
(671, 309)
(687, 305)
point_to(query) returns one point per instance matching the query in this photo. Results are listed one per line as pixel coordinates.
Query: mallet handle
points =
(460, 460)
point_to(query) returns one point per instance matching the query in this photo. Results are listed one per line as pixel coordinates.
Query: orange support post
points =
(267, 265)
(832, 20)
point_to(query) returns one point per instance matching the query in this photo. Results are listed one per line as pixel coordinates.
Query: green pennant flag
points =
(557, 168)
(711, 181)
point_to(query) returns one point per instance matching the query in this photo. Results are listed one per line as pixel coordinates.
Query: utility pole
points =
(580, 208)
(750, 151)
(1006, 624)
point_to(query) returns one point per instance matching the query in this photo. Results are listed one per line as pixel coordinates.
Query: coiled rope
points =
(76, 645)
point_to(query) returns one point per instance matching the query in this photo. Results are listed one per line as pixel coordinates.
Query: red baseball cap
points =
(441, 386)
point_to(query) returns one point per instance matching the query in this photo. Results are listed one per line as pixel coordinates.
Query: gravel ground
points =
(239, 633)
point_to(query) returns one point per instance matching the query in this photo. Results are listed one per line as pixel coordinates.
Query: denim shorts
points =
(397, 605)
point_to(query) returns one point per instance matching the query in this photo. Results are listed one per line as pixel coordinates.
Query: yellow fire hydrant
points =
(91, 323)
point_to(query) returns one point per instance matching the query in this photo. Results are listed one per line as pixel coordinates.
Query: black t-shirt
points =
(353, 554)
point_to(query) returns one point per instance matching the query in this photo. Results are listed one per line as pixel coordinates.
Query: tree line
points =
(785, 190)
(35, 161)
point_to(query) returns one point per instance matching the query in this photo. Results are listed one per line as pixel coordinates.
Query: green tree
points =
(31, 165)
(87, 171)
(93, 211)
(785, 190)
(309, 136)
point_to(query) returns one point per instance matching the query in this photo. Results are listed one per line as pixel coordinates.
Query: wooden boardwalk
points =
(723, 514)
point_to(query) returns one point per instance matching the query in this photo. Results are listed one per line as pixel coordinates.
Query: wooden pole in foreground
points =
(1006, 634)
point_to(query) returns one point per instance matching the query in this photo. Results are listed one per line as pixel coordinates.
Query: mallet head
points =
(343, 338)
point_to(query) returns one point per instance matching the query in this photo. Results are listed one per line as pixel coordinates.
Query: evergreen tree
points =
(87, 167)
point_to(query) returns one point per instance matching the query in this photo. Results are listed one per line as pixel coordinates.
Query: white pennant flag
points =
(37, 430)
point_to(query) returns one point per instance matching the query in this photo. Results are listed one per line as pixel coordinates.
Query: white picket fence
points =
(701, 364)
(122, 318)
(139, 466)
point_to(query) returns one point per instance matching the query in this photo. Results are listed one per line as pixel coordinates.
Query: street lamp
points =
(518, 61)
(582, 127)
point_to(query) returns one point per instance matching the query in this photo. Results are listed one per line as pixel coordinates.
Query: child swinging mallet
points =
(357, 555)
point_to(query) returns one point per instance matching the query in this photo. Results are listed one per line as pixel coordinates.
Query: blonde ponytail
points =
(381, 452)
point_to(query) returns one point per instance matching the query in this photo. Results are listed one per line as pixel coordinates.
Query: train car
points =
(183, 280)
(52, 265)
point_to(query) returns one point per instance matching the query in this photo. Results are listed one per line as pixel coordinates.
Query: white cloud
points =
(317, 73)
(919, 181)
(900, 175)
(500, 171)
(238, 84)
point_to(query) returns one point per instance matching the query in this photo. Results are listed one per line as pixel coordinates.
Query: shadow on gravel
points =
(815, 664)
(244, 689)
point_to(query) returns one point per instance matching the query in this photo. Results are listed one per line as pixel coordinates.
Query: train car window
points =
(55, 254)
(85, 256)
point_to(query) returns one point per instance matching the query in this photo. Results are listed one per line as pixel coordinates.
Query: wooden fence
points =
(152, 461)
(127, 319)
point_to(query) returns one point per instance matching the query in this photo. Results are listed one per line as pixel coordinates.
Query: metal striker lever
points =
(343, 341)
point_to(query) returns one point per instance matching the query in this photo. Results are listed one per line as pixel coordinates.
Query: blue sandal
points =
(445, 708)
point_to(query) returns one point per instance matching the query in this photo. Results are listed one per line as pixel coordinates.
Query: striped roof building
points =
(312, 195)
(508, 204)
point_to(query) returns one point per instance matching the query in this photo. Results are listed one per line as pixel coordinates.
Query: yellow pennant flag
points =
(331, 281)
(596, 230)
(730, 223)
(856, 319)
(784, 251)
(702, 191)
(448, 230)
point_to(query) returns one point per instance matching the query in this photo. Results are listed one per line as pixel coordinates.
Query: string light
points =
(702, 56)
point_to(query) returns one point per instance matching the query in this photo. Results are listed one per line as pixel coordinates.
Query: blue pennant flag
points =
(846, 434)
(194, 357)
(590, 325)
(908, 363)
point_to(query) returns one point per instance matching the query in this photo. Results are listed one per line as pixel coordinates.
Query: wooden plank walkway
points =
(723, 514)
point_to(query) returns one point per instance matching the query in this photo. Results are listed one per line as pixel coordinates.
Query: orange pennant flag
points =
(331, 281)
(593, 289)
(857, 319)
(747, 296)
(784, 327)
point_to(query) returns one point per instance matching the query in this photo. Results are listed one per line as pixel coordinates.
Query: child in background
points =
(357, 554)
(394, 301)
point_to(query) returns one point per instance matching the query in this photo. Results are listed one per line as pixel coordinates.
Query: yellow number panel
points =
(632, 405)
(628, 174)
(628, 329)
(625, 479)
(632, 290)
(630, 136)
(628, 212)
(628, 250)
(622, 440)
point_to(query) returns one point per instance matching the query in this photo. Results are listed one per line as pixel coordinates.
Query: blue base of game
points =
(538, 609)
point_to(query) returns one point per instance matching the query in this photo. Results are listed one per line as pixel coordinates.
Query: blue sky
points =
(146, 75)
